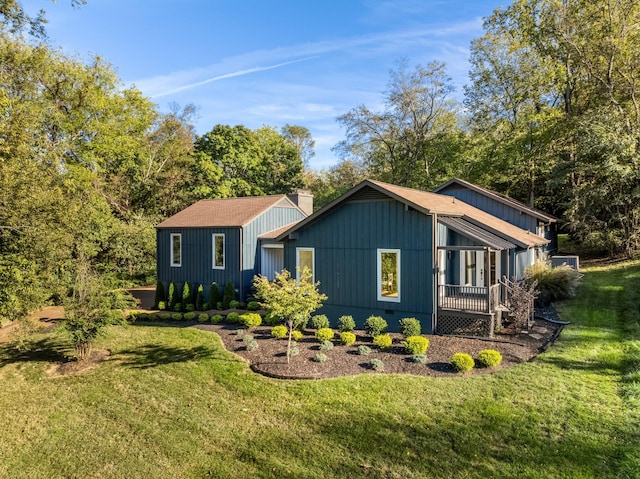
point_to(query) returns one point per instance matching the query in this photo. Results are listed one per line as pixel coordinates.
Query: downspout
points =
(241, 289)
(435, 272)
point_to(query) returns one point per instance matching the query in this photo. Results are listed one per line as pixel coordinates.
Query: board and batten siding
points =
(345, 243)
(197, 257)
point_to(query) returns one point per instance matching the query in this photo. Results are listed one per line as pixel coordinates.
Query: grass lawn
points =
(171, 402)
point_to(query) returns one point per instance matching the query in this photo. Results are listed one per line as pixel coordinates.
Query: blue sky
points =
(268, 62)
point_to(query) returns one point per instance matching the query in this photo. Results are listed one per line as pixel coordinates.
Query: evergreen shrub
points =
(320, 321)
(216, 318)
(419, 358)
(346, 323)
(200, 298)
(375, 326)
(177, 307)
(364, 350)
(416, 344)
(296, 335)
(383, 341)
(320, 358)
(462, 362)
(279, 331)
(176, 316)
(326, 346)
(159, 296)
(250, 320)
(234, 304)
(187, 293)
(190, 316)
(347, 338)
(410, 327)
(376, 364)
(233, 318)
(214, 294)
(253, 306)
(162, 305)
(489, 358)
(203, 317)
(229, 295)
(190, 307)
(324, 334)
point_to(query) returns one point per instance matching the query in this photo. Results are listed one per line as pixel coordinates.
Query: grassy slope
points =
(172, 403)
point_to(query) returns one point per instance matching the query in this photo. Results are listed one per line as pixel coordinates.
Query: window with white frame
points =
(176, 249)
(305, 258)
(218, 251)
(389, 275)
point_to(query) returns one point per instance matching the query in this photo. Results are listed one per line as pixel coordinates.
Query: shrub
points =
(324, 334)
(383, 341)
(376, 364)
(347, 338)
(462, 362)
(172, 295)
(410, 327)
(489, 358)
(240, 332)
(326, 346)
(320, 321)
(164, 316)
(190, 316)
(214, 294)
(364, 350)
(419, 358)
(205, 306)
(250, 320)
(294, 350)
(253, 306)
(375, 326)
(416, 344)
(279, 331)
(216, 318)
(162, 305)
(176, 316)
(190, 307)
(553, 284)
(187, 293)
(177, 307)
(346, 323)
(271, 319)
(247, 338)
(200, 298)
(203, 317)
(233, 318)
(219, 305)
(320, 358)
(159, 296)
(234, 304)
(252, 345)
(242, 305)
(229, 295)
(296, 335)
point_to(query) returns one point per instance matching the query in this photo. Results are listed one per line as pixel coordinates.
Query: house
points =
(217, 240)
(508, 209)
(397, 252)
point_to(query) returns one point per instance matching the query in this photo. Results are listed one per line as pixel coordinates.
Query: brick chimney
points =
(303, 199)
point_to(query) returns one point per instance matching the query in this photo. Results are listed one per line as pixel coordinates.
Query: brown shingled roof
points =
(434, 203)
(225, 212)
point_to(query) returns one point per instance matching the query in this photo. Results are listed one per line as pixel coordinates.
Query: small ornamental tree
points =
(290, 299)
(229, 295)
(214, 294)
(160, 296)
(200, 298)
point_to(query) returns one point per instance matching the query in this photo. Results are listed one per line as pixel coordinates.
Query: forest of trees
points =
(88, 166)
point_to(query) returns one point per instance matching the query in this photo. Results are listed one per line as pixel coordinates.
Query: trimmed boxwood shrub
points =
(164, 316)
(253, 306)
(190, 307)
(279, 331)
(383, 341)
(203, 317)
(159, 296)
(205, 307)
(176, 316)
(462, 362)
(326, 346)
(376, 364)
(375, 326)
(219, 305)
(214, 294)
(364, 350)
(162, 305)
(216, 318)
(324, 334)
(234, 304)
(229, 295)
(346, 323)
(296, 335)
(320, 358)
(190, 316)
(320, 321)
(233, 318)
(200, 298)
(416, 344)
(177, 307)
(410, 327)
(347, 338)
(489, 358)
(250, 320)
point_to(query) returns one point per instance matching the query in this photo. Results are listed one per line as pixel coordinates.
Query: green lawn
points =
(172, 403)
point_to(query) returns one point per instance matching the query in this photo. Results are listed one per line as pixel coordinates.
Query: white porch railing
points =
(469, 298)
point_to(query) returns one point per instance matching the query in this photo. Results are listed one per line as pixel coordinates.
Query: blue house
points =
(397, 252)
(506, 208)
(217, 240)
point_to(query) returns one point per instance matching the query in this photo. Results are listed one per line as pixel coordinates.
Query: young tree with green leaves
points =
(289, 298)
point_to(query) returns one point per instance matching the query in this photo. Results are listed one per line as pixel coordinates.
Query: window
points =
(218, 251)
(389, 275)
(176, 249)
(470, 268)
(305, 259)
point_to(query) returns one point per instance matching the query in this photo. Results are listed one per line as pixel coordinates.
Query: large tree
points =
(413, 141)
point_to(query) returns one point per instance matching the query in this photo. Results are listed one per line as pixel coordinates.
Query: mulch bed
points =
(270, 357)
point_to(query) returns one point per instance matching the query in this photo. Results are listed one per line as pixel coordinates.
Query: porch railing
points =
(469, 298)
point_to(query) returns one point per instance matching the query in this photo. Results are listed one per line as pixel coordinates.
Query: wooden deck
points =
(477, 299)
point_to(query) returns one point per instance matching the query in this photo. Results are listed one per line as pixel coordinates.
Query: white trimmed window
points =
(218, 251)
(305, 258)
(176, 249)
(389, 275)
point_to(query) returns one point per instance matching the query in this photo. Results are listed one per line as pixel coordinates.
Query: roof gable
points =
(499, 197)
(225, 212)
